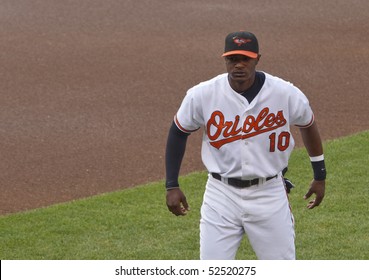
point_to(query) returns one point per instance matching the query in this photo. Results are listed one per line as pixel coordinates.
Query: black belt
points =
(238, 183)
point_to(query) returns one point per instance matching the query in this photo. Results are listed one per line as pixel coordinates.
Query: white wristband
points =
(317, 158)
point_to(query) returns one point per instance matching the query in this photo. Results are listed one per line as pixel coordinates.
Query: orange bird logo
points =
(240, 41)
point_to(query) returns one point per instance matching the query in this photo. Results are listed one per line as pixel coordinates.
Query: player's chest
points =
(231, 118)
(231, 110)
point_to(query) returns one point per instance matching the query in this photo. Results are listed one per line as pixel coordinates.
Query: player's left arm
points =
(312, 141)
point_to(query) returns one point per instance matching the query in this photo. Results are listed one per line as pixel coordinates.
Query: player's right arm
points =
(175, 150)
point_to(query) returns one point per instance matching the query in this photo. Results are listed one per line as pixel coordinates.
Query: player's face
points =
(241, 70)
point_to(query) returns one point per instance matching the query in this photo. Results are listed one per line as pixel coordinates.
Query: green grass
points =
(135, 223)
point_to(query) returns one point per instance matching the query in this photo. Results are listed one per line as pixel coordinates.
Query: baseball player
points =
(246, 117)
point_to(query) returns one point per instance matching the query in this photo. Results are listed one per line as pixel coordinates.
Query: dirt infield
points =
(89, 87)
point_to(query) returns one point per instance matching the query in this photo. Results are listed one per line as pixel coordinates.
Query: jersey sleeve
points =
(301, 114)
(189, 117)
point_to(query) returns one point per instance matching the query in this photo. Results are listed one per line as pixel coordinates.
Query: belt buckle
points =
(241, 184)
(246, 183)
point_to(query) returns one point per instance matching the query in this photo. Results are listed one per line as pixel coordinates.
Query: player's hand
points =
(317, 188)
(176, 202)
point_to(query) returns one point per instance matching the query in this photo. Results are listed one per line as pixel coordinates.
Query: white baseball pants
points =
(261, 211)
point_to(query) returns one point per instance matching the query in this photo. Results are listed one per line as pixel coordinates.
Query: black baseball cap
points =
(241, 42)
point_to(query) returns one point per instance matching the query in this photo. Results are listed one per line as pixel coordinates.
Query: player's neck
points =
(241, 86)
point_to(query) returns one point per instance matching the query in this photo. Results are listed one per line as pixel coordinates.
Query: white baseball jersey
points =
(241, 139)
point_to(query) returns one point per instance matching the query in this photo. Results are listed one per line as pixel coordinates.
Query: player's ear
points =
(258, 58)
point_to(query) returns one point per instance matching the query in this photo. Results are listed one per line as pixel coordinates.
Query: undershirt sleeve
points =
(175, 149)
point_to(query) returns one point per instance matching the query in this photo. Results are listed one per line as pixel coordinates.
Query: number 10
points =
(283, 141)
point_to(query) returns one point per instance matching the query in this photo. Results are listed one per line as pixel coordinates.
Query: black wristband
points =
(319, 170)
(171, 184)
